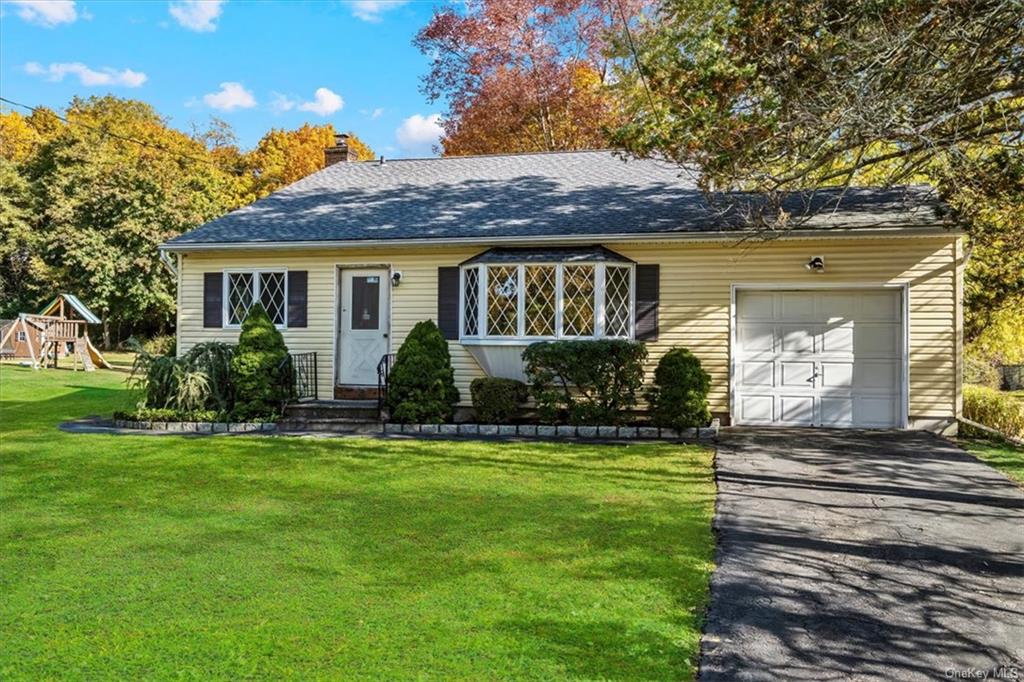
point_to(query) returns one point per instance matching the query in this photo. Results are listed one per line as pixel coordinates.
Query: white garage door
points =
(818, 358)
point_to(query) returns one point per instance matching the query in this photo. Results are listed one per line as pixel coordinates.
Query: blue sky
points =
(256, 65)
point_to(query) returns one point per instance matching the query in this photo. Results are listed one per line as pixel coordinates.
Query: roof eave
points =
(728, 235)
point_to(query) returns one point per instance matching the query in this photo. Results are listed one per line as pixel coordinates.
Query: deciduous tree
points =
(522, 75)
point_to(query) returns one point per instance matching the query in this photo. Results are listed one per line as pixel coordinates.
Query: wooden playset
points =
(59, 330)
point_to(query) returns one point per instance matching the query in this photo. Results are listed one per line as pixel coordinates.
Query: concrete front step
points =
(355, 392)
(362, 410)
(336, 425)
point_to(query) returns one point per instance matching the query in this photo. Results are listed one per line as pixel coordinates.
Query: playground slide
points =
(95, 356)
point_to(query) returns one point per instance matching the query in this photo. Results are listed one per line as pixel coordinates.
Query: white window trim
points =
(255, 272)
(482, 337)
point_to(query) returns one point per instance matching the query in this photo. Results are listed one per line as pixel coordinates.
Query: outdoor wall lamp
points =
(396, 278)
(816, 264)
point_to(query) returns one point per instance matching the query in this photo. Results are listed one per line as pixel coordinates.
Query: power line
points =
(125, 138)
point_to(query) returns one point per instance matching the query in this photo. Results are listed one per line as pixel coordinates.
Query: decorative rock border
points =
(198, 427)
(556, 432)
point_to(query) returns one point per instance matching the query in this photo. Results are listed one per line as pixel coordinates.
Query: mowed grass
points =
(1002, 455)
(243, 557)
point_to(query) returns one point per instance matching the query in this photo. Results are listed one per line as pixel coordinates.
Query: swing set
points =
(59, 330)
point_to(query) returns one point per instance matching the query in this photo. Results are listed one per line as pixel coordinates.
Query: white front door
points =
(364, 325)
(818, 358)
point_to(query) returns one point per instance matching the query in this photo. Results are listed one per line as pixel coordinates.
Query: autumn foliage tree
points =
(86, 203)
(285, 156)
(797, 94)
(523, 75)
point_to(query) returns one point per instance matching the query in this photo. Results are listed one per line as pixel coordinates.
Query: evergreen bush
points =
(421, 386)
(679, 397)
(259, 368)
(585, 382)
(496, 400)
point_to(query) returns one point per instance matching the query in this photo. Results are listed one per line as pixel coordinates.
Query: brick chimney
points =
(340, 152)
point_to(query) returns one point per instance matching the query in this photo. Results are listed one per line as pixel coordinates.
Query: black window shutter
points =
(297, 286)
(213, 299)
(647, 294)
(448, 302)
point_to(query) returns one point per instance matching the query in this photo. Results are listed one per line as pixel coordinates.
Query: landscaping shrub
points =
(155, 377)
(213, 359)
(259, 368)
(161, 345)
(421, 386)
(981, 371)
(585, 382)
(168, 414)
(994, 409)
(679, 397)
(496, 400)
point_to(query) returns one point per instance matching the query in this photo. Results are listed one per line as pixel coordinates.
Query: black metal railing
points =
(302, 376)
(383, 370)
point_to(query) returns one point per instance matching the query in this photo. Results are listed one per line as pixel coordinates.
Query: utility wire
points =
(125, 138)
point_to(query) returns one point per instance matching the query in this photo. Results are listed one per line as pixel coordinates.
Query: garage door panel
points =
(837, 375)
(757, 306)
(819, 357)
(758, 374)
(757, 409)
(838, 307)
(875, 412)
(876, 340)
(797, 305)
(797, 410)
(879, 306)
(757, 338)
(837, 411)
(838, 338)
(796, 339)
(876, 374)
(795, 374)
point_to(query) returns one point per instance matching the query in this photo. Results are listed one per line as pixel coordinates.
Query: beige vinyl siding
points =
(696, 282)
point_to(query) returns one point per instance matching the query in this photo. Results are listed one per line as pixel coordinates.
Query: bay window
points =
(530, 300)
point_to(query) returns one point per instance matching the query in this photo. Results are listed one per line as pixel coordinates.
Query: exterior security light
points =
(396, 277)
(816, 264)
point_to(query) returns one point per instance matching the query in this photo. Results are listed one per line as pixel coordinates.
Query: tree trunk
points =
(106, 332)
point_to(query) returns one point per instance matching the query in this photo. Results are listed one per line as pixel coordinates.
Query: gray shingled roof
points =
(565, 194)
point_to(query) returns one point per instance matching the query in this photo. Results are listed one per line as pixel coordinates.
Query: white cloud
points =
(324, 102)
(372, 10)
(281, 103)
(419, 132)
(377, 113)
(87, 76)
(231, 96)
(197, 15)
(46, 13)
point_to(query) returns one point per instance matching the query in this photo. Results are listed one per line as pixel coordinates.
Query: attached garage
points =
(819, 357)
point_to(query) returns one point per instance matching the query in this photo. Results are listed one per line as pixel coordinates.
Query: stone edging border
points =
(548, 431)
(198, 427)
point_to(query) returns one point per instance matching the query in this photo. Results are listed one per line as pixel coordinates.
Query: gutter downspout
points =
(168, 263)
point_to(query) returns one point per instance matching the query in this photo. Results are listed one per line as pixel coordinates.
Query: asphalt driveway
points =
(859, 555)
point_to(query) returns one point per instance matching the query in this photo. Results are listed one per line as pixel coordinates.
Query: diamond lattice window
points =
(539, 289)
(272, 295)
(471, 302)
(240, 295)
(503, 300)
(616, 302)
(578, 300)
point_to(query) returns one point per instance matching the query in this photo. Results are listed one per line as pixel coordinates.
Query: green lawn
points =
(1002, 455)
(244, 557)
